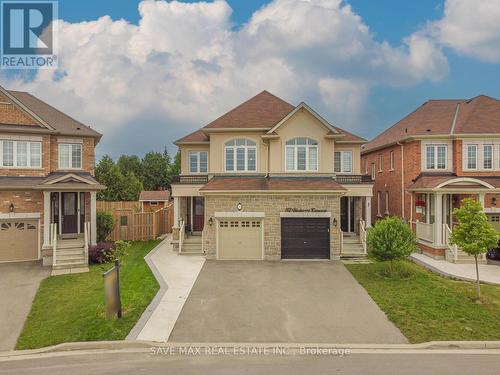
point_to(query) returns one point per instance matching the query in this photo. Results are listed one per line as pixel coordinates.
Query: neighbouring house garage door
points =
(240, 239)
(305, 238)
(18, 240)
(494, 220)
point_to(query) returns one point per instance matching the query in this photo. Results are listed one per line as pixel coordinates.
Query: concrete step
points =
(192, 253)
(66, 271)
(70, 257)
(194, 240)
(72, 251)
(68, 264)
(69, 244)
(351, 240)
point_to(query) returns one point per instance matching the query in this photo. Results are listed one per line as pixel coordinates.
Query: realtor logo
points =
(28, 35)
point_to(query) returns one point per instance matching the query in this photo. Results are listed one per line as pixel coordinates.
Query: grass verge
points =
(71, 307)
(427, 307)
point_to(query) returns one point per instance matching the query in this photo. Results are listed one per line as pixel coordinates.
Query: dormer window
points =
(241, 155)
(301, 154)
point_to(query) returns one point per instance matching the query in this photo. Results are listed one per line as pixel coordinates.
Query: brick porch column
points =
(46, 219)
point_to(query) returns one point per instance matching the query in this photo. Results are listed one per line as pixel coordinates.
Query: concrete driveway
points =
(301, 302)
(18, 285)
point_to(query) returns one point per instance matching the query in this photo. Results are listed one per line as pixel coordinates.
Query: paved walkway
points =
(176, 275)
(488, 273)
(18, 285)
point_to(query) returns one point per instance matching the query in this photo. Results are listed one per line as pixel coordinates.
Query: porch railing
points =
(452, 248)
(182, 229)
(86, 236)
(362, 234)
(190, 179)
(353, 178)
(53, 238)
(341, 238)
(425, 231)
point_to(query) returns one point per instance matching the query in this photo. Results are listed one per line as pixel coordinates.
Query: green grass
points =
(71, 307)
(427, 307)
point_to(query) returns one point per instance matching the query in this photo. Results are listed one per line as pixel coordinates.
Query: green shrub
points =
(391, 240)
(105, 223)
(121, 248)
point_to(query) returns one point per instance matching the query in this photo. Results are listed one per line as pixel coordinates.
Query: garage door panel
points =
(305, 238)
(18, 240)
(240, 239)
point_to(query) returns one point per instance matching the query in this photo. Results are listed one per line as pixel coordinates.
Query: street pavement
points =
(383, 362)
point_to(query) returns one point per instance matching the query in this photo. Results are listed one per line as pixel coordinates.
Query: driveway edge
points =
(136, 330)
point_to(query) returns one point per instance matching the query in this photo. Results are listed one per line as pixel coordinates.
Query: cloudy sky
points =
(145, 73)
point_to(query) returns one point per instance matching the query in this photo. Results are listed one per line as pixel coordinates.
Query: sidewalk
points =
(489, 274)
(176, 275)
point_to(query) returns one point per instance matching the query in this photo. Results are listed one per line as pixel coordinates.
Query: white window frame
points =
(342, 159)
(379, 203)
(380, 163)
(492, 155)
(198, 161)
(249, 144)
(435, 147)
(386, 203)
(295, 148)
(391, 160)
(14, 156)
(467, 158)
(71, 145)
(373, 171)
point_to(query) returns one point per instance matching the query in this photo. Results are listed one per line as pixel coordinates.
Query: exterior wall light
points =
(210, 221)
(11, 207)
(334, 222)
(239, 206)
(494, 201)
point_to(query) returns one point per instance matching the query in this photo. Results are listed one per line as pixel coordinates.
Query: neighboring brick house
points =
(269, 180)
(152, 200)
(425, 164)
(47, 188)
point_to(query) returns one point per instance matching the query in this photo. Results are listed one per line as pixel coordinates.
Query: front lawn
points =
(71, 307)
(427, 307)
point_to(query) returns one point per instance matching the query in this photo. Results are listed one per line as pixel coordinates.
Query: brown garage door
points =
(18, 240)
(305, 238)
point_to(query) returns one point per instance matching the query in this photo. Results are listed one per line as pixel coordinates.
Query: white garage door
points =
(18, 240)
(240, 239)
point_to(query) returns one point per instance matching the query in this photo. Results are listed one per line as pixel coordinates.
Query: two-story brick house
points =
(47, 189)
(269, 180)
(425, 164)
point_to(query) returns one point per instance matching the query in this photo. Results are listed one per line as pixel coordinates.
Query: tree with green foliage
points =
(108, 174)
(175, 167)
(131, 187)
(130, 163)
(390, 239)
(105, 222)
(155, 171)
(473, 234)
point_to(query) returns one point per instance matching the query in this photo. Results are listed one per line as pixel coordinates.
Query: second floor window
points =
(241, 155)
(373, 170)
(435, 157)
(391, 160)
(342, 161)
(19, 154)
(301, 154)
(70, 156)
(488, 156)
(380, 163)
(198, 162)
(471, 156)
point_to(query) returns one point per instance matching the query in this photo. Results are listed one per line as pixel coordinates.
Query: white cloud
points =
(184, 64)
(470, 27)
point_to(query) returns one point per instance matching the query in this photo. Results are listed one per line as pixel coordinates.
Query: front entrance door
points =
(199, 214)
(347, 214)
(69, 210)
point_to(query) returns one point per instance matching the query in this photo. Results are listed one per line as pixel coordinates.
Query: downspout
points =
(268, 161)
(402, 180)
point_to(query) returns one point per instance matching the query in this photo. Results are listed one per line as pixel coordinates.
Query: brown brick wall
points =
(272, 205)
(10, 114)
(24, 202)
(390, 180)
(431, 251)
(458, 166)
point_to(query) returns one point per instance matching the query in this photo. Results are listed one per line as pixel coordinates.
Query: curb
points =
(446, 274)
(146, 346)
(136, 330)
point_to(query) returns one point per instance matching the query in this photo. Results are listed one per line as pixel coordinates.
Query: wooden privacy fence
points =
(112, 206)
(140, 226)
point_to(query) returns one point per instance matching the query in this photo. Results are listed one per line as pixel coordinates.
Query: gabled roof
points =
(265, 112)
(479, 115)
(450, 181)
(77, 181)
(154, 195)
(47, 116)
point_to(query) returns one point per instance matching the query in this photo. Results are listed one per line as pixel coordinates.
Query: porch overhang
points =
(454, 184)
(69, 182)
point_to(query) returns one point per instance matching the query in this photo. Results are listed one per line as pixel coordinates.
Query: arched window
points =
(241, 155)
(301, 154)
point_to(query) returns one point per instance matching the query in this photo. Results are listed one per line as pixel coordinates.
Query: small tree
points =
(105, 222)
(473, 234)
(391, 240)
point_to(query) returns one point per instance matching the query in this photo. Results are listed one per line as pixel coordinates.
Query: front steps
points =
(352, 248)
(191, 245)
(70, 257)
(464, 258)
